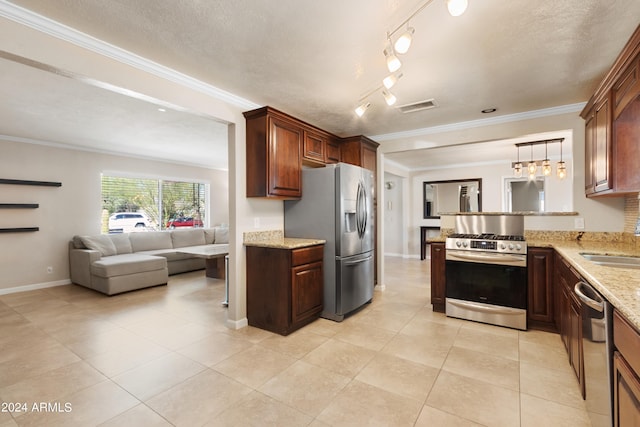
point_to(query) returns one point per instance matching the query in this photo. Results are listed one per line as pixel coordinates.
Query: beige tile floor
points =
(163, 356)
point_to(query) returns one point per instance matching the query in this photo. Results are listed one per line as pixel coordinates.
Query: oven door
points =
(495, 284)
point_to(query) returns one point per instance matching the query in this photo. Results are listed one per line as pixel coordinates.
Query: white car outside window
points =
(127, 222)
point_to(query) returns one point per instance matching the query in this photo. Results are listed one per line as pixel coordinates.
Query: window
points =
(141, 204)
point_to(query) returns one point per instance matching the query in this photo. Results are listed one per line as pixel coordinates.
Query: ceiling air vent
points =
(417, 106)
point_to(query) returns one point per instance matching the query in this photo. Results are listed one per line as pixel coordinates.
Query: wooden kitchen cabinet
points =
(626, 366)
(568, 316)
(611, 130)
(284, 287)
(540, 310)
(274, 154)
(360, 151)
(315, 146)
(332, 151)
(438, 278)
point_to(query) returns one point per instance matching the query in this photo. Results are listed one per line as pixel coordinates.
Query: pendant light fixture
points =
(561, 168)
(532, 167)
(546, 164)
(517, 168)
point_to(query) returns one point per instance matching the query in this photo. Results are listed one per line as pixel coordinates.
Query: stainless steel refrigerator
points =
(337, 206)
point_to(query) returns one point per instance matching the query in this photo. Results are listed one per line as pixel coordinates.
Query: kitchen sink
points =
(613, 260)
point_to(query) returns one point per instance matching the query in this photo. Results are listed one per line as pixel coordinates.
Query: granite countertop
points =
(621, 286)
(285, 243)
(275, 239)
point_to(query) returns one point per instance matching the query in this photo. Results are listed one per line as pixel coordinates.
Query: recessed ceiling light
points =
(489, 110)
(162, 110)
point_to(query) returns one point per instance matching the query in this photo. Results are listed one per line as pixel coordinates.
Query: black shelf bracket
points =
(19, 229)
(19, 205)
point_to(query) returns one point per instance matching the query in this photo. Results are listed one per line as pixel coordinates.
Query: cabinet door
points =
(314, 146)
(602, 146)
(575, 341)
(589, 160)
(540, 290)
(626, 129)
(284, 159)
(332, 151)
(626, 88)
(565, 320)
(438, 278)
(306, 291)
(626, 394)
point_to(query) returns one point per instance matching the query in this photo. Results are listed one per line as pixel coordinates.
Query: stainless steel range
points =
(486, 270)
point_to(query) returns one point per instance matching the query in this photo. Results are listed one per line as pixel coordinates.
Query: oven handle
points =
(501, 259)
(484, 307)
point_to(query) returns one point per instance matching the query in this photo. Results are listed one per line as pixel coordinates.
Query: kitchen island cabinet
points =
(284, 287)
(438, 278)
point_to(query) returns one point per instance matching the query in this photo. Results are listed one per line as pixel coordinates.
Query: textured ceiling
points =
(315, 59)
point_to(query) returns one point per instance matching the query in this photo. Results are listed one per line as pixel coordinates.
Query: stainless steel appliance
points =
(486, 270)
(597, 349)
(337, 206)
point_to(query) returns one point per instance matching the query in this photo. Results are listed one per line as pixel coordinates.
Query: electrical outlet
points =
(49, 270)
(578, 223)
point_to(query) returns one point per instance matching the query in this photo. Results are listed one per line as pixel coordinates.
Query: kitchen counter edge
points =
(286, 243)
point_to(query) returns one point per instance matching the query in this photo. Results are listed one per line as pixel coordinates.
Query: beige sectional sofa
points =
(115, 263)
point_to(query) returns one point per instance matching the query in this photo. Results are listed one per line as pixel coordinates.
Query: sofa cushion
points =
(101, 243)
(222, 235)
(150, 241)
(122, 243)
(169, 254)
(120, 265)
(209, 235)
(192, 237)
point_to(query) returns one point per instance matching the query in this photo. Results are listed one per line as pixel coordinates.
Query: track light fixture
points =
(402, 45)
(391, 80)
(362, 108)
(393, 63)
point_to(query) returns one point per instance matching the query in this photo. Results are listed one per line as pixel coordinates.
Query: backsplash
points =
(631, 214)
(257, 236)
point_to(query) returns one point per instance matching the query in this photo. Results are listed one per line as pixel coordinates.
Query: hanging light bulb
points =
(561, 168)
(532, 167)
(362, 108)
(393, 63)
(517, 168)
(389, 98)
(457, 7)
(403, 43)
(546, 164)
(391, 80)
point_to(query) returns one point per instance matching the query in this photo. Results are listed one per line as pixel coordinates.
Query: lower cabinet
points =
(540, 309)
(626, 366)
(438, 278)
(567, 316)
(284, 287)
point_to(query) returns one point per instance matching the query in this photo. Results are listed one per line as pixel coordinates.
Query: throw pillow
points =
(102, 244)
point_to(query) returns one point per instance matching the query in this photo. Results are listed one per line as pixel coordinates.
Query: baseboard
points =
(34, 287)
(237, 324)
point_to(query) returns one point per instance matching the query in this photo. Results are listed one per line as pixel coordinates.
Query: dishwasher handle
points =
(582, 288)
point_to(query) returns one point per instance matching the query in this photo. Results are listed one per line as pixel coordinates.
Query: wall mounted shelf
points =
(26, 182)
(19, 205)
(19, 229)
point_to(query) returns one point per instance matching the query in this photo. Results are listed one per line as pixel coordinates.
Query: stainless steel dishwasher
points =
(597, 346)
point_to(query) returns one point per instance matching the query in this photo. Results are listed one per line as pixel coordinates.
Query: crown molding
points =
(55, 29)
(527, 115)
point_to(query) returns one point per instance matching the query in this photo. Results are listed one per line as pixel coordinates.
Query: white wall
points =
(74, 208)
(394, 238)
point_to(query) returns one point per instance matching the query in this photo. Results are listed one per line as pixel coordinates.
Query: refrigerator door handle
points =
(361, 206)
(360, 261)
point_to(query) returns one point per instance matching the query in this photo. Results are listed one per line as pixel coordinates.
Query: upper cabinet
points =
(611, 127)
(274, 155)
(278, 146)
